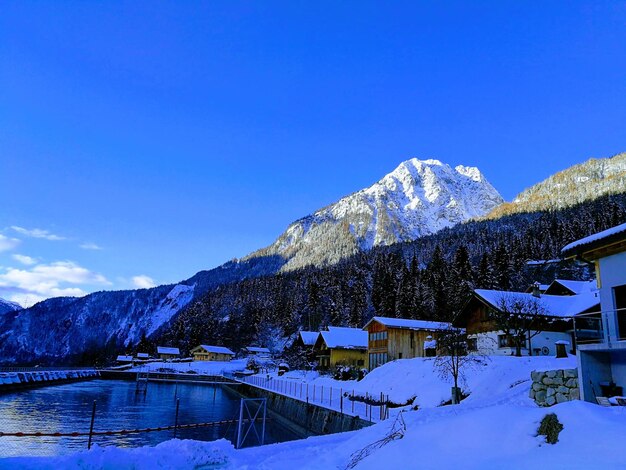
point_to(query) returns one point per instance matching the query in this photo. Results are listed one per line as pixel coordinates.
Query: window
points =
(472, 344)
(399, 355)
(360, 362)
(507, 341)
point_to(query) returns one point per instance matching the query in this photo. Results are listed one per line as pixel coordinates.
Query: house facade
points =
(399, 338)
(341, 346)
(255, 351)
(205, 352)
(166, 353)
(601, 335)
(554, 315)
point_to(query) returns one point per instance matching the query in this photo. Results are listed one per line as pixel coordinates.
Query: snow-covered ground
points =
(494, 428)
(198, 367)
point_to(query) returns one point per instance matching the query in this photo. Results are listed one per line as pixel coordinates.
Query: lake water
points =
(67, 408)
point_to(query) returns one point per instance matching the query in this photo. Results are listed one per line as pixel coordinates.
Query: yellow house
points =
(341, 346)
(205, 352)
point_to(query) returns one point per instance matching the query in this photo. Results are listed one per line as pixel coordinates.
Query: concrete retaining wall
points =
(312, 418)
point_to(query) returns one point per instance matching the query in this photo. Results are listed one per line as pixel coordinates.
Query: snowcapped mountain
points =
(8, 306)
(583, 182)
(418, 198)
(59, 328)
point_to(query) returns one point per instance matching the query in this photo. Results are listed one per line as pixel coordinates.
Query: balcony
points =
(601, 327)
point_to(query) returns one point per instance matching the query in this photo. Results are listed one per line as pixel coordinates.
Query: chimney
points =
(536, 291)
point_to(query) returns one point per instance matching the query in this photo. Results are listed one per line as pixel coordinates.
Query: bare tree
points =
(453, 358)
(520, 317)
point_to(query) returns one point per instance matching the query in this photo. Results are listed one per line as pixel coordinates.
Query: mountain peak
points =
(419, 197)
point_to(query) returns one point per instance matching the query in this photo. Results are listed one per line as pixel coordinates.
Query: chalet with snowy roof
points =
(601, 335)
(400, 338)
(124, 359)
(142, 356)
(167, 354)
(205, 352)
(307, 339)
(341, 346)
(255, 351)
(554, 319)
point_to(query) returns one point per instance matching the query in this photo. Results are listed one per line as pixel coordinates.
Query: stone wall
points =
(554, 386)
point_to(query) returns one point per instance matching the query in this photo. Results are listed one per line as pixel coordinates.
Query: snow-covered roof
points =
(309, 337)
(563, 306)
(607, 236)
(143, 355)
(577, 287)
(124, 358)
(409, 324)
(345, 338)
(217, 349)
(256, 349)
(167, 350)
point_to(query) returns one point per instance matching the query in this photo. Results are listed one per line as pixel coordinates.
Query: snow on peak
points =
(8, 306)
(418, 198)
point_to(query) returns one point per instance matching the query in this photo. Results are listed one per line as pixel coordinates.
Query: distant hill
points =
(8, 306)
(583, 182)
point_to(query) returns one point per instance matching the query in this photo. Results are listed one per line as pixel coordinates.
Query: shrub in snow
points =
(346, 372)
(550, 427)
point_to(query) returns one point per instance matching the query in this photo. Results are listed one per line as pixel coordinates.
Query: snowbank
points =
(417, 381)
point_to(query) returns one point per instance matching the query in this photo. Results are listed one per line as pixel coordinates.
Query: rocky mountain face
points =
(420, 197)
(583, 182)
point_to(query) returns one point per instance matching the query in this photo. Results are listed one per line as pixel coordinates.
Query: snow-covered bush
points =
(347, 372)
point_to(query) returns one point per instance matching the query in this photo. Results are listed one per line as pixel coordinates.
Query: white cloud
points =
(7, 243)
(27, 260)
(90, 246)
(37, 233)
(42, 281)
(143, 282)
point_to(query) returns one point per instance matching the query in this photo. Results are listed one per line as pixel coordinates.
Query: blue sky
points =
(168, 137)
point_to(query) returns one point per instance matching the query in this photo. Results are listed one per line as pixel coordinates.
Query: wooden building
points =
(122, 359)
(399, 338)
(341, 346)
(167, 354)
(206, 352)
(477, 317)
(255, 351)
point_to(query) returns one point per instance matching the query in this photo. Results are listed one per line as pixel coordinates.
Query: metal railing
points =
(345, 400)
(590, 328)
(13, 437)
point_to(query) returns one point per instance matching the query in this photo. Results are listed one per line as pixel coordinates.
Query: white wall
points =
(612, 274)
(488, 343)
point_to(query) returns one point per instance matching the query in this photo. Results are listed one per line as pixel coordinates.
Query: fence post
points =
(331, 397)
(93, 418)
(322, 399)
(341, 399)
(352, 401)
(176, 420)
(307, 394)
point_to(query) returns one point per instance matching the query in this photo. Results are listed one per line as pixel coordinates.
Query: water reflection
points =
(67, 408)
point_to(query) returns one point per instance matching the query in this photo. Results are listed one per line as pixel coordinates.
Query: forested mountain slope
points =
(583, 182)
(429, 278)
